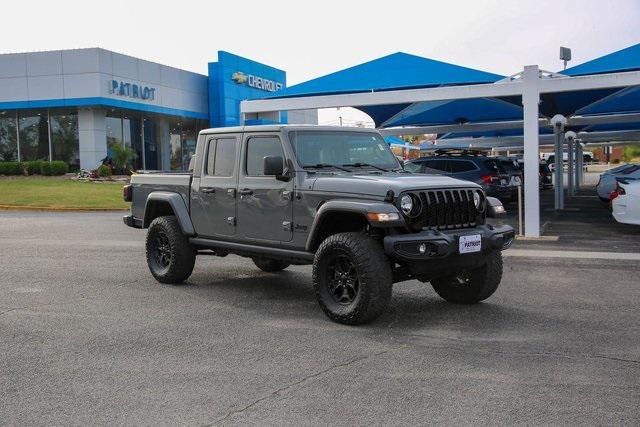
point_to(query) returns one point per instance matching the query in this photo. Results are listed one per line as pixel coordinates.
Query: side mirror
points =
(273, 165)
(494, 208)
(192, 163)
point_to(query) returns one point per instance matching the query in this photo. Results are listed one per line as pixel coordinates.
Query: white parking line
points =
(544, 253)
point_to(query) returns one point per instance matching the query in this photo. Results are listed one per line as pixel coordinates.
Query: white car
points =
(625, 202)
(607, 182)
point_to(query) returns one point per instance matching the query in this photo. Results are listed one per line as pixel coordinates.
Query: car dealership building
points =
(75, 105)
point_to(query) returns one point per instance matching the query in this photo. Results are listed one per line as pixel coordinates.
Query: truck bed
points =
(145, 183)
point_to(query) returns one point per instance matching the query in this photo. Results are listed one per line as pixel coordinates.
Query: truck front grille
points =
(446, 209)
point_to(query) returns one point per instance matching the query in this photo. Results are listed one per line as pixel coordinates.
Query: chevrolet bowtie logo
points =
(239, 77)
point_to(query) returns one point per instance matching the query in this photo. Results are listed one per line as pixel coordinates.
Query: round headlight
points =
(477, 199)
(406, 204)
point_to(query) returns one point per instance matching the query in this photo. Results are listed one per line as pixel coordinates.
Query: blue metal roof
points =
(627, 59)
(396, 71)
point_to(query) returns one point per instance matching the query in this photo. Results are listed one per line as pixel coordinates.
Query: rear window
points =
(509, 165)
(494, 166)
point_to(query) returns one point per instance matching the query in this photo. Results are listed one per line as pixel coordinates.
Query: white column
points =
(570, 169)
(530, 101)
(93, 137)
(579, 164)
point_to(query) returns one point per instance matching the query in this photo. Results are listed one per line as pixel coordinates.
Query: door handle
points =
(245, 192)
(207, 190)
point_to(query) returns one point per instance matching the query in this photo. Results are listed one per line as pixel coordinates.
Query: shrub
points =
(32, 167)
(57, 167)
(104, 171)
(11, 168)
(122, 157)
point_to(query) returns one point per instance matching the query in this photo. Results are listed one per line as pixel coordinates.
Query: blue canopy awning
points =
(404, 71)
(392, 72)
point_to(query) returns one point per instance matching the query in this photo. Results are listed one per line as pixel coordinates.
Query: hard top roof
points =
(280, 127)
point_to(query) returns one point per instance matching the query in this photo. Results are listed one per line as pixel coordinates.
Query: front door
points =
(214, 200)
(265, 204)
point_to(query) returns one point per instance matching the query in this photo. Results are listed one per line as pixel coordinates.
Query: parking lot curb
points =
(60, 209)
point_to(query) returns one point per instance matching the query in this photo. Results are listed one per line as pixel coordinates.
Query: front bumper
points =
(445, 243)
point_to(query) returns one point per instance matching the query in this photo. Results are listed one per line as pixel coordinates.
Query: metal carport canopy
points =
(530, 86)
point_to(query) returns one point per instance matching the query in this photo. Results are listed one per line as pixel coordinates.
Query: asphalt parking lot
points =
(88, 337)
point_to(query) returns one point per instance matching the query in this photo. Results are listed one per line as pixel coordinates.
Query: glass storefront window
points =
(65, 143)
(8, 136)
(113, 126)
(152, 158)
(34, 135)
(132, 133)
(183, 134)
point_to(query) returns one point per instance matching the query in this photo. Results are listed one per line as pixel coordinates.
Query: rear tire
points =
(270, 265)
(352, 278)
(474, 285)
(170, 256)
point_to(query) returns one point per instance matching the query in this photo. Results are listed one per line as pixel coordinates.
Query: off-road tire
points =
(270, 265)
(374, 278)
(179, 255)
(481, 282)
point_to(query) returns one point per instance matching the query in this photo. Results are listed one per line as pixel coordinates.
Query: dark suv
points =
(469, 166)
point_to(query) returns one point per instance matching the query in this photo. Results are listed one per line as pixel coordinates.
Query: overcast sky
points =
(312, 38)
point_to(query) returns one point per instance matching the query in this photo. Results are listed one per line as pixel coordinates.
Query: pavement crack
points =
(280, 390)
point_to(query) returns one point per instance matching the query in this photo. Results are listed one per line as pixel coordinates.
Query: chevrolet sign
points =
(256, 82)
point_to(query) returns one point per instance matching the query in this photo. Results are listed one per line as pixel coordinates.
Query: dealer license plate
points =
(472, 243)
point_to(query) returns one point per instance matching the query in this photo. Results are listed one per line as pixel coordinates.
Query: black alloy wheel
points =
(342, 280)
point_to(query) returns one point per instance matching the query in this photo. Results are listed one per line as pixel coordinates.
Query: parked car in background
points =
(607, 182)
(469, 166)
(545, 176)
(625, 201)
(513, 169)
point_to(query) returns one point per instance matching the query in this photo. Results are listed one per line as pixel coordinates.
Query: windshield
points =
(341, 148)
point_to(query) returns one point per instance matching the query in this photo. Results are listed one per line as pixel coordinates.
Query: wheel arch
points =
(338, 216)
(161, 203)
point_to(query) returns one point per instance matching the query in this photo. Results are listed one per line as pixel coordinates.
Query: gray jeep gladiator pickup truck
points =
(333, 197)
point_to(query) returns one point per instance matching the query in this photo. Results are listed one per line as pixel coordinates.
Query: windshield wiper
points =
(325, 165)
(361, 165)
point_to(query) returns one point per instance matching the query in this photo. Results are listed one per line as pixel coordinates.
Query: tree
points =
(630, 152)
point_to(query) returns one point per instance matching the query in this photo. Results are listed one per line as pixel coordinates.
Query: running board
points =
(249, 250)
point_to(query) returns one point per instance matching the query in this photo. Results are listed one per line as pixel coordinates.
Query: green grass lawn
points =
(58, 192)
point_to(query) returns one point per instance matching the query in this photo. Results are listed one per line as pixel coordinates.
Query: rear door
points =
(265, 204)
(214, 199)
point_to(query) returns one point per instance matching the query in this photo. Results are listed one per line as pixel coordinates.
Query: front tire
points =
(170, 256)
(352, 278)
(270, 265)
(472, 286)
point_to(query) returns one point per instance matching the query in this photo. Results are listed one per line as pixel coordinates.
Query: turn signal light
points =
(382, 217)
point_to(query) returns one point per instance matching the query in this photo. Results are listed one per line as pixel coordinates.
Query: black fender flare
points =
(352, 206)
(177, 205)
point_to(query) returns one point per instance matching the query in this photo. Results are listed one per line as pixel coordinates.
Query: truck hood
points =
(379, 184)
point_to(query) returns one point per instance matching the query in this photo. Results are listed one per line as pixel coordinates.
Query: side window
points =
(257, 149)
(225, 157)
(221, 157)
(461, 166)
(440, 165)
